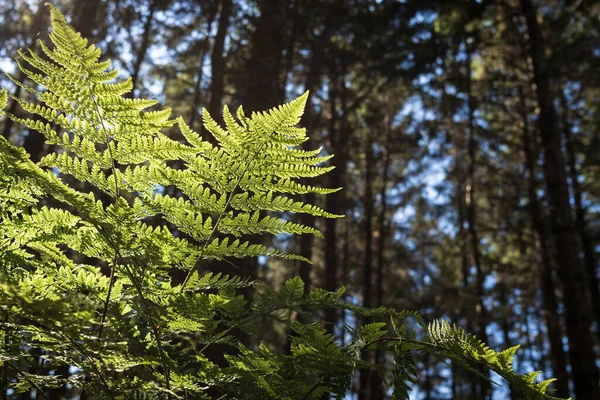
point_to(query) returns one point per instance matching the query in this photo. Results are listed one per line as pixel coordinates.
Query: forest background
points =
(465, 134)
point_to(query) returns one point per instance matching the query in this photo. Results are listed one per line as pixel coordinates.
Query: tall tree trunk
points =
(367, 278)
(503, 300)
(263, 88)
(313, 81)
(144, 45)
(217, 85)
(587, 243)
(332, 203)
(471, 202)
(200, 75)
(570, 270)
(542, 246)
(377, 389)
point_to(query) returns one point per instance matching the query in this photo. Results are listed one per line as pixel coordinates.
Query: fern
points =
(86, 279)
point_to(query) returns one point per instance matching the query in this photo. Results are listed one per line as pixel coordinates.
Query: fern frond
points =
(460, 344)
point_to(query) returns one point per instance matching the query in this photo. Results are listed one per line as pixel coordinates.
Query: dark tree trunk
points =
(217, 85)
(570, 269)
(377, 388)
(471, 202)
(313, 81)
(144, 45)
(264, 88)
(367, 289)
(85, 13)
(505, 307)
(587, 243)
(541, 235)
(332, 202)
(200, 75)
(336, 202)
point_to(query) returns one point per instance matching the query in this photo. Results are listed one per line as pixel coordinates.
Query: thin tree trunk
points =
(587, 243)
(200, 76)
(503, 300)
(471, 202)
(217, 85)
(549, 301)
(570, 270)
(143, 49)
(332, 202)
(367, 289)
(313, 81)
(377, 388)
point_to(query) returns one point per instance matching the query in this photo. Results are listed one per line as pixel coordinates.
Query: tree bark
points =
(200, 75)
(586, 241)
(367, 278)
(542, 246)
(313, 81)
(263, 87)
(143, 49)
(505, 307)
(377, 388)
(217, 85)
(570, 270)
(471, 202)
(332, 202)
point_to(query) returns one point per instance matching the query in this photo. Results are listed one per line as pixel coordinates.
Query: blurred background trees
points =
(465, 134)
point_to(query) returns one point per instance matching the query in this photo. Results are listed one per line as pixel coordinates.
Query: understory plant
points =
(108, 248)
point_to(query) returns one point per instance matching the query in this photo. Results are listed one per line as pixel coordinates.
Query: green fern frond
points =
(460, 344)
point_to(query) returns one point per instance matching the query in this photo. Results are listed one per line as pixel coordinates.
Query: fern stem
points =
(107, 300)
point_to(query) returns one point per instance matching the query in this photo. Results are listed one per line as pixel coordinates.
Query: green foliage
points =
(86, 279)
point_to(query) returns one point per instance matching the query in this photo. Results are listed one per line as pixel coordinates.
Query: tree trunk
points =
(200, 75)
(471, 202)
(570, 270)
(313, 81)
(332, 203)
(541, 235)
(587, 243)
(505, 307)
(366, 374)
(217, 85)
(84, 21)
(377, 388)
(264, 87)
(143, 49)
